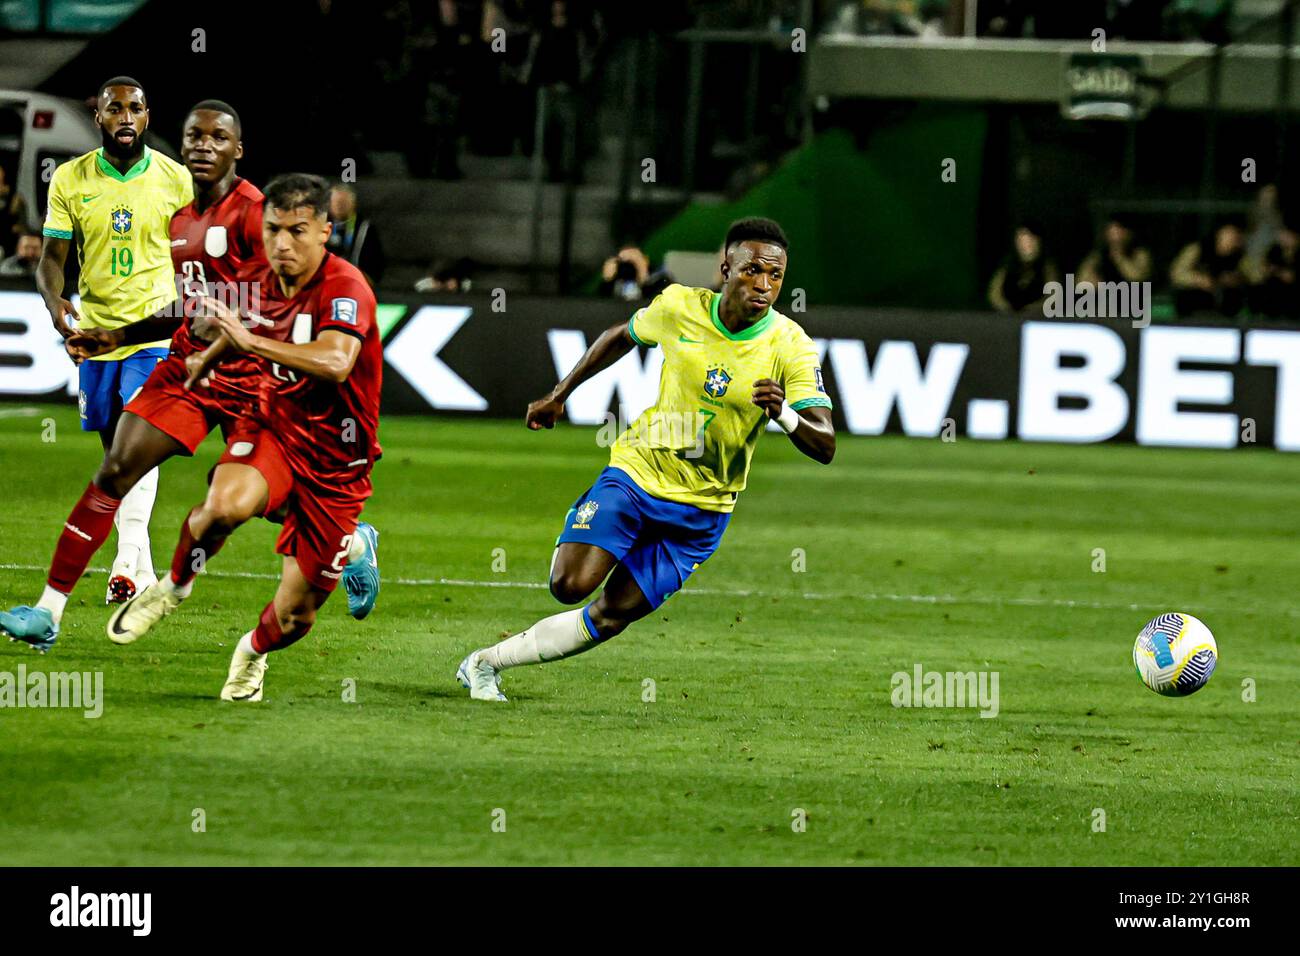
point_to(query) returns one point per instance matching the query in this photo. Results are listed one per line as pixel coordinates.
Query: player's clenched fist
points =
(769, 396)
(544, 413)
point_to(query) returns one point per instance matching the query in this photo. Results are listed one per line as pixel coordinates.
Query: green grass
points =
(773, 687)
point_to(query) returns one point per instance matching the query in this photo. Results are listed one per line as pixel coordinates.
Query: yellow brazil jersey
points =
(695, 444)
(120, 223)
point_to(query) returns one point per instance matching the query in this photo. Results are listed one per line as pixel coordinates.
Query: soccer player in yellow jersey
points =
(116, 205)
(660, 508)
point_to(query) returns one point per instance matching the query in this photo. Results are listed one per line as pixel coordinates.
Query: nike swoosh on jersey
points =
(682, 338)
(89, 198)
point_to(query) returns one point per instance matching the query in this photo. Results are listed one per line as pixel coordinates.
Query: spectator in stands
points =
(1117, 258)
(1263, 223)
(1277, 292)
(1208, 276)
(627, 276)
(922, 18)
(1001, 18)
(448, 275)
(441, 56)
(1017, 286)
(23, 262)
(354, 239)
(13, 214)
(562, 56)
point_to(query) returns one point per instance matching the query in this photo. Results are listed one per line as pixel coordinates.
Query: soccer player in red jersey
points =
(216, 246)
(318, 439)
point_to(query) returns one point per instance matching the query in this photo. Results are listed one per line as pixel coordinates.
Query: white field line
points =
(26, 411)
(727, 592)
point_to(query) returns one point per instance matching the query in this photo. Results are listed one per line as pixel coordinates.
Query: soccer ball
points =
(1175, 655)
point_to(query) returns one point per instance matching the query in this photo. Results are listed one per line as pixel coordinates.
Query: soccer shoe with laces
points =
(361, 577)
(480, 677)
(31, 625)
(132, 620)
(244, 682)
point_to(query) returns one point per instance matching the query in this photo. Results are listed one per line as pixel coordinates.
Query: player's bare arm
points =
(200, 364)
(612, 345)
(814, 433)
(330, 358)
(49, 281)
(88, 343)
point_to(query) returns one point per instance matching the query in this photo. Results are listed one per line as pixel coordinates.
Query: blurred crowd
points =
(20, 248)
(1243, 266)
(465, 74)
(1208, 20)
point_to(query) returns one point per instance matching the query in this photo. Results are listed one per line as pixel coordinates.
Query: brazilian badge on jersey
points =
(716, 381)
(586, 511)
(121, 220)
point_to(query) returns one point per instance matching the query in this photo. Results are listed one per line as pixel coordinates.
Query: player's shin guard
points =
(192, 554)
(550, 639)
(269, 636)
(86, 529)
(133, 548)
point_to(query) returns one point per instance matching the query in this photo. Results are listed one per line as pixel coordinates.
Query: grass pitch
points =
(771, 686)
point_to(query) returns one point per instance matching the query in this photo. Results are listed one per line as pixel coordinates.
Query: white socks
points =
(357, 548)
(132, 520)
(245, 646)
(181, 591)
(552, 638)
(54, 602)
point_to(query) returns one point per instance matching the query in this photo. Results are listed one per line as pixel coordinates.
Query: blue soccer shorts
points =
(107, 385)
(659, 542)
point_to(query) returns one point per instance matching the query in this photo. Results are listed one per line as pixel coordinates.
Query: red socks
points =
(268, 636)
(192, 554)
(86, 529)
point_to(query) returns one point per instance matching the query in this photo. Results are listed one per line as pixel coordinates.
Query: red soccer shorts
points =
(319, 526)
(188, 416)
(251, 444)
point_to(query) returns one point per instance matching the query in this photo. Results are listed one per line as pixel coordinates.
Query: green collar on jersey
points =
(108, 169)
(750, 332)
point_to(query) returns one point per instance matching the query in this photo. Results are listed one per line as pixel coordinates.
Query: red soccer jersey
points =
(219, 253)
(329, 432)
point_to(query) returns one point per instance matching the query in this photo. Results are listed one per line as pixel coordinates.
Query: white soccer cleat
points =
(244, 682)
(480, 677)
(132, 620)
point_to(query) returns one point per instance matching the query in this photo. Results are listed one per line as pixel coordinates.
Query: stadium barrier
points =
(926, 374)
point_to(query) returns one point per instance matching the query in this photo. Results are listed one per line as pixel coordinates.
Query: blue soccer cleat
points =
(32, 625)
(361, 575)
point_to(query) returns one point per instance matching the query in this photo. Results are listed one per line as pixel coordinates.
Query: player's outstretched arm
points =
(810, 429)
(329, 357)
(88, 343)
(612, 345)
(49, 281)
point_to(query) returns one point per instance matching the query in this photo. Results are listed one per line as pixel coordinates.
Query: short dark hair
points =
(119, 81)
(757, 229)
(294, 190)
(220, 106)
